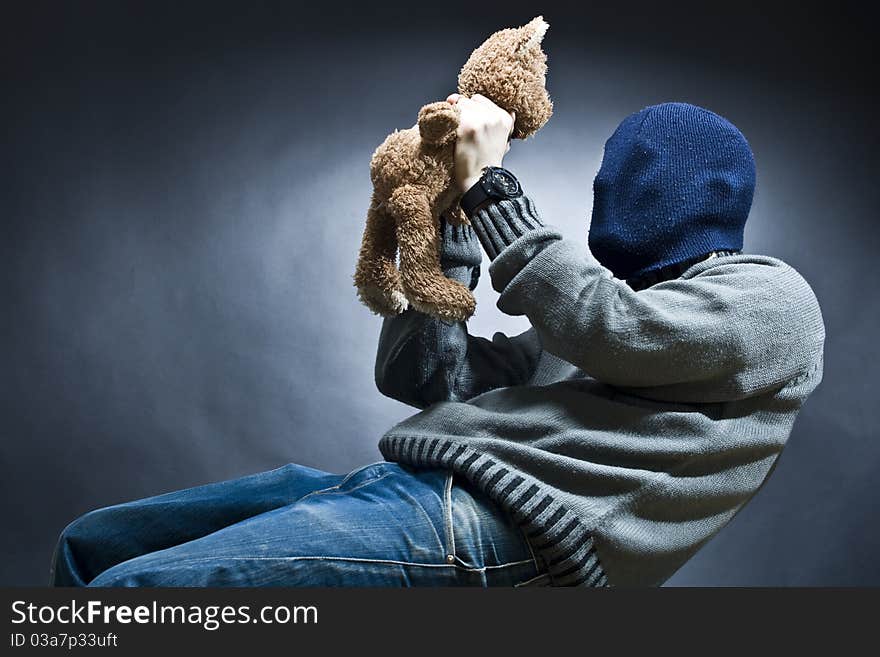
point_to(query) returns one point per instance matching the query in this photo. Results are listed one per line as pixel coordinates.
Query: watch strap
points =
(485, 190)
(474, 198)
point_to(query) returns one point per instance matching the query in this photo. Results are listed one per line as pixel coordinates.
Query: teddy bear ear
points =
(533, 33)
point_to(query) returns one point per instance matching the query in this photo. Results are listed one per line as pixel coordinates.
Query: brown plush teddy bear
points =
(412, 176)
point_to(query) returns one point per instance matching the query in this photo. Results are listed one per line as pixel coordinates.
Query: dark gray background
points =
(183, 194)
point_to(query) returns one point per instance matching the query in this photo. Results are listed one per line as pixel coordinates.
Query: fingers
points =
(478, 112)
(479, 98)
(463, 103)
(482, 100)
(454, 99)
(476, 98)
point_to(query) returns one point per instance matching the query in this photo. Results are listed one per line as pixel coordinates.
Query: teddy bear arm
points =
(376, 275)
(426, 287)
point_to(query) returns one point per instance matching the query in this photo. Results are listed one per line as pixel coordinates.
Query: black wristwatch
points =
(496, 183)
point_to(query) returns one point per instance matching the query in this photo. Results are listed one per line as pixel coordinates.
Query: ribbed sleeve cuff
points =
(459, 245)
(460, 254)
(500, 223)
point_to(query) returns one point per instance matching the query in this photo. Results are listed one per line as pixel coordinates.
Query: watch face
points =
(505, 183)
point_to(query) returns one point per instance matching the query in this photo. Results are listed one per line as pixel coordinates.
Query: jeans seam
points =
(337, 558)
(533, 579)
(458, 561)
(447, 515)
(335, 489)
(507, 564)
(539, 560)
(357, 471)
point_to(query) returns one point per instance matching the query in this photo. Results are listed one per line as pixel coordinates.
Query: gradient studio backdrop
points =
(183, 194)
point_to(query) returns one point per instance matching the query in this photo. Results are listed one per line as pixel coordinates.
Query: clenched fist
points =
(483, 137)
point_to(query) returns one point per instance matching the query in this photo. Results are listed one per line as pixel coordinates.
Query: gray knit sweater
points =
(624, 428)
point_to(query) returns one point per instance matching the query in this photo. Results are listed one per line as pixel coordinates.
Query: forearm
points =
(422, 360)
(417, 353)
(419, 356)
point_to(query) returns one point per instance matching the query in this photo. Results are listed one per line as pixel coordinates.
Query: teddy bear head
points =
(510, 69)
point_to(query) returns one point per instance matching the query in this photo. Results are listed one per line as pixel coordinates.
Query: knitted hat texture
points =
(676, 182)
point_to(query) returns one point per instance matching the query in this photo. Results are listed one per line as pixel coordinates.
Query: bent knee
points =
(88, 530)
(70, 557)
(85, 547)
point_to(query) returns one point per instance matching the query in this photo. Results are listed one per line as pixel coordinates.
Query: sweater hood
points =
(676, 182)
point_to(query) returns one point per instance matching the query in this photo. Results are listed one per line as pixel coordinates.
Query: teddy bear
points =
(413, 184)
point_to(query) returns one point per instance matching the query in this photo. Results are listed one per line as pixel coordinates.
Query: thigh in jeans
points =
(385, 524)
(489, 546)
(105, 537)
(381, 525)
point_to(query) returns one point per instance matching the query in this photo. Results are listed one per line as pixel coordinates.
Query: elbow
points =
(386, 374)
(383, 386)
(392, 387)
(384, 382)
(387, 389)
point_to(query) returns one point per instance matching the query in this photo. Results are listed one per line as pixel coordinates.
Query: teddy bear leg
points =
(418, 234)
(377, 277)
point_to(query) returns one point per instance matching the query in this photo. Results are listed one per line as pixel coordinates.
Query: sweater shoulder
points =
(761, 275)
(775, 294)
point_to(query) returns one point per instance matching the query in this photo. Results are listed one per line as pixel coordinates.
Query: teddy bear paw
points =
(381, 301)
(449, 311)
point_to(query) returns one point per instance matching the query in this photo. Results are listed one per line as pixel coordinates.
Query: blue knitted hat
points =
(676, 182)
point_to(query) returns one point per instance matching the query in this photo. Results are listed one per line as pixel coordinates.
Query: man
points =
(664, 368)
(647, 403)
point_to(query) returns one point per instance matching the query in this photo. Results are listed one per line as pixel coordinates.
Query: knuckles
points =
(478, 121)
(471, 127)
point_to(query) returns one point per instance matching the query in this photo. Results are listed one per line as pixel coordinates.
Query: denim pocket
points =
(365, 473)
(357, 477)
(486, 537)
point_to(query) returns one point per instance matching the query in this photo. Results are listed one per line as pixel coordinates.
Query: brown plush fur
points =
(412, 176)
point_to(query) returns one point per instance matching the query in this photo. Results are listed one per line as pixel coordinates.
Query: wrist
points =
(469, 182)
(472, 177)
(493, 184)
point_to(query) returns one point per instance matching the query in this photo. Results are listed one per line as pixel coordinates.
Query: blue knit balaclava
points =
(676, 182)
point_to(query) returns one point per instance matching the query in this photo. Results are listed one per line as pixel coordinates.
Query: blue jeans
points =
(383, 524)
